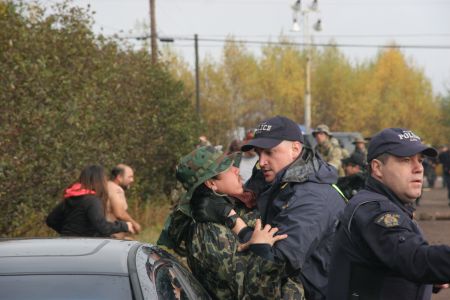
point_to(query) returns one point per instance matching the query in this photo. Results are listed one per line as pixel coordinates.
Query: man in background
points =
(122, 176)
(360, 146)
(330, 152)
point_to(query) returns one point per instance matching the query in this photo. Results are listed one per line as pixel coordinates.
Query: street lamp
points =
(302, 13)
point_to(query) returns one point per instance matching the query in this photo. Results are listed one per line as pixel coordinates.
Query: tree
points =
(70, 99)
(282, 78)
(396, 94)
(334, 101)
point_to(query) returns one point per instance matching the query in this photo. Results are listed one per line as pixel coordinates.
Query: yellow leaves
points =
(399, 93)
(243, 88)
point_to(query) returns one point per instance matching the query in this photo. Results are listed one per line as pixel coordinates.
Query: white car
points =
(92, 268)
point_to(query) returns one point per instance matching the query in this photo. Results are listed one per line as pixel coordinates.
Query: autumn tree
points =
(398, 95)
(70, 98)
(241, 89)
(334, 101)
(282, 79)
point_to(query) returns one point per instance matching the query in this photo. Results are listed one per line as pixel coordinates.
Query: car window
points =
(145, 271)
(188, 279)
(164, 274)
(68, 287)
(168, 285)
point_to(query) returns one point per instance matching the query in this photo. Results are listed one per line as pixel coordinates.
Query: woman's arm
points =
(97, 218)
(56, 217)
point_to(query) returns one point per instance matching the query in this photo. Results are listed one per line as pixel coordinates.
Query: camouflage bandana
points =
(198, 166)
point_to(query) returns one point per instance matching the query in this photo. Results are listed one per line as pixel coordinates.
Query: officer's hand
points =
(438, 287)
(211, 210)
(264, 235)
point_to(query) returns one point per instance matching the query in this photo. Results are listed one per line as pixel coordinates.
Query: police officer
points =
(298, 197)
(379, 251)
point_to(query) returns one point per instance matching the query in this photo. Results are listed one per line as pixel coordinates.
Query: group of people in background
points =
(352, 167)
(94, 206)
(296, 230)
(274, 218)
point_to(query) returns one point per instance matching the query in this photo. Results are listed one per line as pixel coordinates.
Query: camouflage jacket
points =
(330, 153)
(228, 274)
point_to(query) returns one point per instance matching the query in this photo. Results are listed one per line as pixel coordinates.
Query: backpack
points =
(175, 231)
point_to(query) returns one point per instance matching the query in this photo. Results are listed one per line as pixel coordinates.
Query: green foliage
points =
(69, 99)
(388, 91)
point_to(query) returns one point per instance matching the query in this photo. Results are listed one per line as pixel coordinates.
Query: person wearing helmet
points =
(211, 247)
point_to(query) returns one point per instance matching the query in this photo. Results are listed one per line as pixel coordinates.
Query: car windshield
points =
(68, 287)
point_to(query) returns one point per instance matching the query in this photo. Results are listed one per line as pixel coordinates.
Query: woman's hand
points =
(264, 235)
(131, 228)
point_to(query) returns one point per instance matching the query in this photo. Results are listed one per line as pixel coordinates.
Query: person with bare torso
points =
(122, 176)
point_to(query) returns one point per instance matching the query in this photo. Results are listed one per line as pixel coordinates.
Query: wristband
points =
(230, 221)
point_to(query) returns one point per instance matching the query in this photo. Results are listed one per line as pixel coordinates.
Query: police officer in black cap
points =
(379, 250)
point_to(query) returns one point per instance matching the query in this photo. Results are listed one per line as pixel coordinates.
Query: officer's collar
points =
(299, 170)
(380, 188)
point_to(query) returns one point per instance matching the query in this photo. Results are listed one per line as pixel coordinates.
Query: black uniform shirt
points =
(380, 253)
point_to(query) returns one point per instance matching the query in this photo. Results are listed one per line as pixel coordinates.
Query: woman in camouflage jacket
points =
(213, 251)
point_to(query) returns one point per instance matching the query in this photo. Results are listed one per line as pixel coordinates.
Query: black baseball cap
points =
(399, 142)
(356, 158)
(272, 132)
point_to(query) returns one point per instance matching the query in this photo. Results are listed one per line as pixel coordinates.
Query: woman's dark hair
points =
(93, 178)
(202, 190)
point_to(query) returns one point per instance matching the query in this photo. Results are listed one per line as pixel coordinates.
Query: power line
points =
(342, 35)
(288, 43)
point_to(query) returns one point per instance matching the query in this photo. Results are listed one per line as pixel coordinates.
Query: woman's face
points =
(229, 182)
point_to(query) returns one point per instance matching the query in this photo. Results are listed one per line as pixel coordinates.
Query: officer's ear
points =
(376, 167)
(296, 149)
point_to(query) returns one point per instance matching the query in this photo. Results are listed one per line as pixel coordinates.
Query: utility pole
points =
(197, 77)
(153, 35)
(307, 38)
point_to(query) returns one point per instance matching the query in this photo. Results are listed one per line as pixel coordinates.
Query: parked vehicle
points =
(92, 268)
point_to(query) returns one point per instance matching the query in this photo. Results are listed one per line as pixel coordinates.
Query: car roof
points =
(64, 256)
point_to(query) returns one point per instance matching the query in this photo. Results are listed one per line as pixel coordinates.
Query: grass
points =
(151, 216)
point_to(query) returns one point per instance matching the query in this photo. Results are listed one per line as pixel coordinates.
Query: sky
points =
(347, 22)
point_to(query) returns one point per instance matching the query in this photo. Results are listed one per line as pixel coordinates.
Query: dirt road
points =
(434, 205)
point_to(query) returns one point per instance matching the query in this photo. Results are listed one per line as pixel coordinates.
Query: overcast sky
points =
(356, 22)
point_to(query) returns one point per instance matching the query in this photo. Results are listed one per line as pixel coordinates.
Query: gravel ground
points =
(434, 218)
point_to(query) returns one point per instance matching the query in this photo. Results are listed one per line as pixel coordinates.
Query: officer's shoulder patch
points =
(389, 219)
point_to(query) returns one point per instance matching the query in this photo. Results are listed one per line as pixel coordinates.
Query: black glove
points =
(207, 209)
